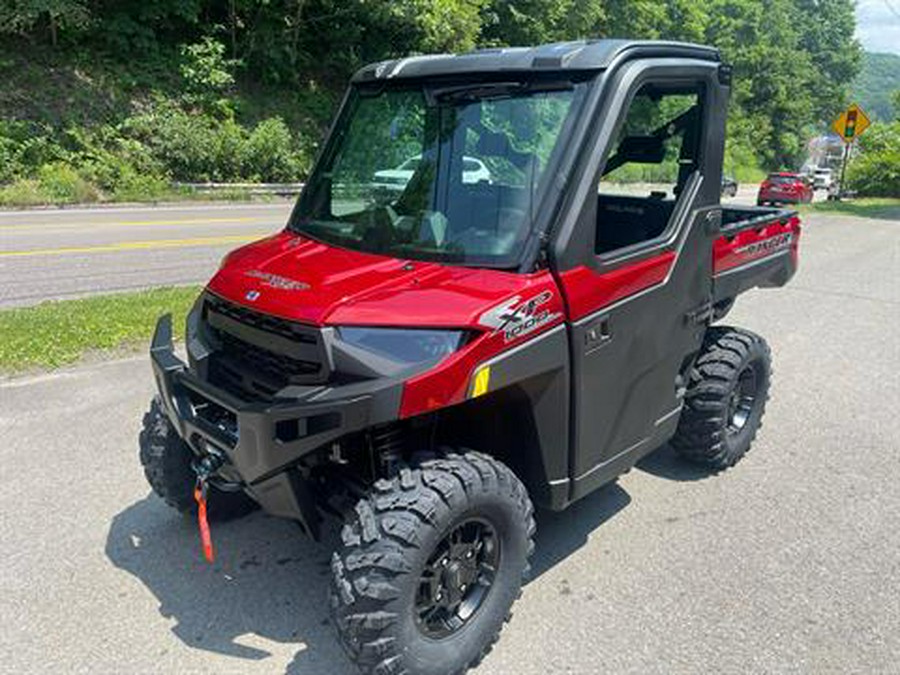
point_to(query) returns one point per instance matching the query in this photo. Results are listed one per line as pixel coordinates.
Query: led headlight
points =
(404, 345)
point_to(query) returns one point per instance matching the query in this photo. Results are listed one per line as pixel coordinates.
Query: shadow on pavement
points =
(561, 533)
(664, 463)
(268, 580)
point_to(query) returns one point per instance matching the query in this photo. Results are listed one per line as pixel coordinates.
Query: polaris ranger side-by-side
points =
(510, 319)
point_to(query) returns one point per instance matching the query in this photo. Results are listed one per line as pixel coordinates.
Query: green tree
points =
(26, 16)
(826, 30)
(529, 22)
(876, 170)
(208, 75)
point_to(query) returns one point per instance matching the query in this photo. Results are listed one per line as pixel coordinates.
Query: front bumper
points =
(264, 442)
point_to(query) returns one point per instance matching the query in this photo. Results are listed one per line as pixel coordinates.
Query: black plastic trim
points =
(321, 414)
(540, 368)
(583, 55)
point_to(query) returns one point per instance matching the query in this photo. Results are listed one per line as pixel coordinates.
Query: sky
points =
(878, 25)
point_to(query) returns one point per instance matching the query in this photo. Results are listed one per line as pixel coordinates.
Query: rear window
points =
(783, 180)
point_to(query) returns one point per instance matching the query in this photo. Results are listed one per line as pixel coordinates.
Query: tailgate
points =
(756, 248)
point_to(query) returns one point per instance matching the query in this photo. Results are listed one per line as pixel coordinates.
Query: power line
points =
(891, 8)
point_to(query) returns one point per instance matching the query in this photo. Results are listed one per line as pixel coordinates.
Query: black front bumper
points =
(265, 441)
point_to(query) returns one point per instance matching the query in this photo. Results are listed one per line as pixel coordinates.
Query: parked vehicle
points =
(473, 171)
(823, 179)
(785, 188)
(429, 369)
(729, 186)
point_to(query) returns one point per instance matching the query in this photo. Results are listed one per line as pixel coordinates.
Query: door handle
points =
(597, 334)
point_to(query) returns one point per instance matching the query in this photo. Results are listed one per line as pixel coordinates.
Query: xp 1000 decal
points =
(516, 317)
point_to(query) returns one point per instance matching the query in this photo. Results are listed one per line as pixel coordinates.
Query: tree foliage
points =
(876, 170)
(793, 59)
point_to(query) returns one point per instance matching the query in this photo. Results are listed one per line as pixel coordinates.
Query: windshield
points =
(452, 175)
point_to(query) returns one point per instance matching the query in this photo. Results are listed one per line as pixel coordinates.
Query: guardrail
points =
(281, 189)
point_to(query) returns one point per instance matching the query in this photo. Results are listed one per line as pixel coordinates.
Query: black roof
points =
(582, 55)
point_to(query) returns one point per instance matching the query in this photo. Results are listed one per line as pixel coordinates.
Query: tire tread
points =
(381, 529)
(701, 435)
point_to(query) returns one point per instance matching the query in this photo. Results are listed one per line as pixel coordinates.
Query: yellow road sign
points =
(851, 123)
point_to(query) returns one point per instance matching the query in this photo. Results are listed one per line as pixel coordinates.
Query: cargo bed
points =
(757, 248)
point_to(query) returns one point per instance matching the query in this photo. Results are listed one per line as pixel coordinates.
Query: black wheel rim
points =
(743, 399)
(457, 578)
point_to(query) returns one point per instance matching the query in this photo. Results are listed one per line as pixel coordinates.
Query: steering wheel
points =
(498, 237)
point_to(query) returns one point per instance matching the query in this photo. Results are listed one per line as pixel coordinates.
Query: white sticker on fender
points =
(517, 317)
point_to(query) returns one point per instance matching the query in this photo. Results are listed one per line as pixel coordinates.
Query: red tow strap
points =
(205, 536)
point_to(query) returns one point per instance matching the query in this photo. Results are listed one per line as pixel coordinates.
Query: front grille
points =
(255, 355)
(269, 363)
(264, 322)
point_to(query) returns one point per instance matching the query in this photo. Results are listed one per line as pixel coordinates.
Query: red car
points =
(784, 188)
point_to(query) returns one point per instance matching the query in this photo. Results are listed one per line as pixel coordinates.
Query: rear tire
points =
(167, 460)
(431, 563)
(726, 398)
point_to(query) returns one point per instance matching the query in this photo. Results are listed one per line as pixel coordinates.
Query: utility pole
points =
(849, 125)
(844, 163)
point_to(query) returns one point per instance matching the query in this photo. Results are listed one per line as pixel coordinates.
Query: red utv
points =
(426, 363)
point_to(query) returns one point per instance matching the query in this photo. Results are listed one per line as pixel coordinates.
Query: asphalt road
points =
(62, 253)
(786, 564)
(50, 254)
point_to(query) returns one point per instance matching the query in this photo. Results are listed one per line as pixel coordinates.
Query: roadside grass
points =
(57, 333)
(884, 208)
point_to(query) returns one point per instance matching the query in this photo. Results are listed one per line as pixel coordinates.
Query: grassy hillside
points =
(61, 88)
(880, 77)
(119, 100)
(79, 125)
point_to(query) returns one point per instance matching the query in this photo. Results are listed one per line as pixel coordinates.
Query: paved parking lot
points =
(788, 563)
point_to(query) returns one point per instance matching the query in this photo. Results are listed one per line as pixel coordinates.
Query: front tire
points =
(431, 563)
(726, 398)
(167, 462)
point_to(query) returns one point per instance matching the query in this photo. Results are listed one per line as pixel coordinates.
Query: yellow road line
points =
(45, 226)
(137, 245)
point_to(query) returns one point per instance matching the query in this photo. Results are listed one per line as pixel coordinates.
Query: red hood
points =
(304, 280)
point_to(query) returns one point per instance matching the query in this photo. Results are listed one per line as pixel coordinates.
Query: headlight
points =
(404, 345)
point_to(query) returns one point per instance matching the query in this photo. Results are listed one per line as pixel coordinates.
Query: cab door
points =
(639, 305)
